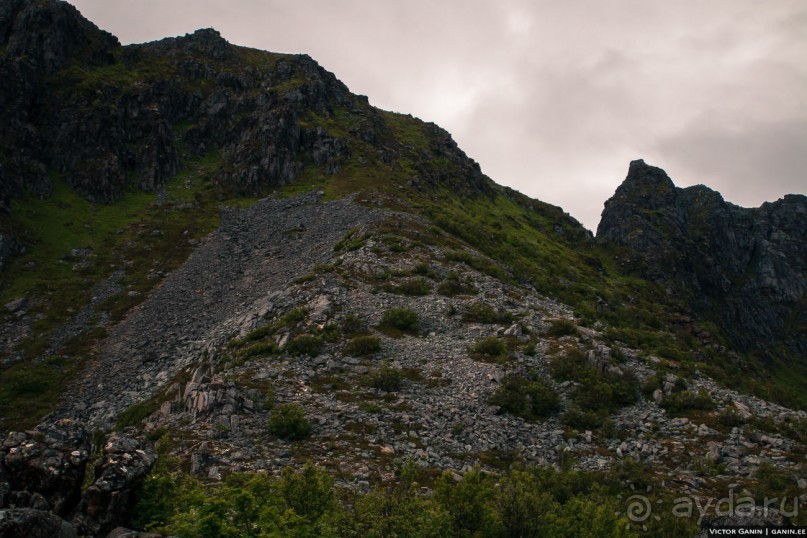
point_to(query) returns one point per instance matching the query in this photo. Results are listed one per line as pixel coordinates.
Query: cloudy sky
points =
(551, 98)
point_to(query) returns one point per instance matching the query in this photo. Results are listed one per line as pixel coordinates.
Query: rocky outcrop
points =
(42, 473)
(31, 523)
(741, 267)
(106, 117)
(108, 501)
(51, 35)
(38, 39)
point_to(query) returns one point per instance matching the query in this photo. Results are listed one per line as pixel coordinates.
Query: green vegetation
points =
(561, 327)
(260, 349)
(135, 414)
(288, 422)
(682, 402)
(519, 502)
(386, 378)
(597, 394)
(351, 324)
(73, 244)
(362, 345)
(490, 349)
(485, 313)
(404, 320)
(453, 285)
(525, 397)
(304, 344)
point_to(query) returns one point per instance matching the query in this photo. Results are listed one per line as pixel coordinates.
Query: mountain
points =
(742, 267)
(238, 299)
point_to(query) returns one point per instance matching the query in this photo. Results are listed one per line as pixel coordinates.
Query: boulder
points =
(49, 461)
(30, 523)
(109, 499)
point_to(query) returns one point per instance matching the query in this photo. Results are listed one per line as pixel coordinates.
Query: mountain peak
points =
(51, 34)
(649, 185)
(703, 247)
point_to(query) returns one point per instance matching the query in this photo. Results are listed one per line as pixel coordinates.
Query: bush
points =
(386, 379)
(288, 422)
(730, 419)
(453, 286)
(260, 349)
(525, 398)
(561, 327)
(305, 344)
(292, 317)
(490, 347)
(485, 313)
(351, 324)
(415, 287)
(596, 391)
(402, 319)
(581, 419)
(681, 402)
(362, 345)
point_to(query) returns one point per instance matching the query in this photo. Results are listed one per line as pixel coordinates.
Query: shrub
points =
(386, 378)
(259, 333)
(304, 344)
(136, 414)
(351, 324)
(581, 419)
(402, 319)
(423, 269)
(485, 313)
(362, 345)
(572, 366)
(288, 422)
(681, 402)
(292, 317)
(490, 347)
(524, 398)
(596, 391)
(561, 327)
(260, 349)
(415, 287)
(730, 418)
(453, 286)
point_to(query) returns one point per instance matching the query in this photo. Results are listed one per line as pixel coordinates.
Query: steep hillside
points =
(238, 299)
(743, 268)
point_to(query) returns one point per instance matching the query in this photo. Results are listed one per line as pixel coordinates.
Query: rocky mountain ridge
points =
(742, 266)
(386, 306)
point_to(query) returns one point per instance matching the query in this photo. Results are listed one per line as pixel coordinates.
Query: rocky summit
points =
(742, 267)
(238, 300)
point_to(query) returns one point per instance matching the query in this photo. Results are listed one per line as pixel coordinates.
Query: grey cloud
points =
(730, 158)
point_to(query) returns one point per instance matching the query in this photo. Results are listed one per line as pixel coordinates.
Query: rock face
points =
(41, 477)
(741, 267)
(105, 116)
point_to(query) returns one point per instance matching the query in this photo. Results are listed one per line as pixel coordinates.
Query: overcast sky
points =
(552, 98)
